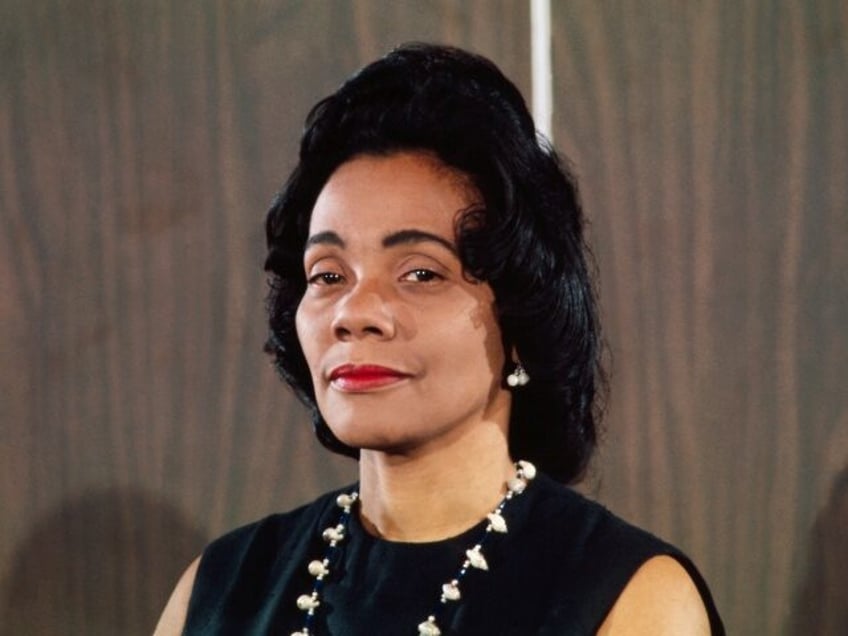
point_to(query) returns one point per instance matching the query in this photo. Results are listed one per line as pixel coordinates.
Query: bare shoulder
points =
(173, 618)
(661, 598)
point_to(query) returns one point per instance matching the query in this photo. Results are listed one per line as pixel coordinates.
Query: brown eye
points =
(325, 278)
(421, 275)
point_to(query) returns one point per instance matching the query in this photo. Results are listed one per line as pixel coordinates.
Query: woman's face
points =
(405, 353)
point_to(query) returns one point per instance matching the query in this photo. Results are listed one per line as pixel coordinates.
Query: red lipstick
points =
(355, 378)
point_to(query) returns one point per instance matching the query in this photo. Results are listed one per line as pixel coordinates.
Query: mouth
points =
(360, 378)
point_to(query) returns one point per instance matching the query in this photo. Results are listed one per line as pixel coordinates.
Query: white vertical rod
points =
(540, 38)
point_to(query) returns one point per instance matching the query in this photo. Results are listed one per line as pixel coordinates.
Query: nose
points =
(364, 312)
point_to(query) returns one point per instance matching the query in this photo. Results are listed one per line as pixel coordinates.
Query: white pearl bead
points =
(450, 591)
(497, 522)
(334, 534)
(516, 485)
(307, 602)
(527, 469)
(475, 556)
(318, 568)
(345, 501)
(429, 628)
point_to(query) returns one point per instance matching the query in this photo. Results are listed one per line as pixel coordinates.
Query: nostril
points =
(364, 312)
(343, 333)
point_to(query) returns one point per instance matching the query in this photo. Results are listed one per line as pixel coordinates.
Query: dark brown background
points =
(139, 145)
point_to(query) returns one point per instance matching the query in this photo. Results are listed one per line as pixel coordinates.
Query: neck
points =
(433, 496)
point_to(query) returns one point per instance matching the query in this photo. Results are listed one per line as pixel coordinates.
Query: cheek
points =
(299, 325)
(479, 345)
(305, 327)
(495, 355)
(486, 324)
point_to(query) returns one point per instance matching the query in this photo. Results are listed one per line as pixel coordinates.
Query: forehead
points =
(380, 193)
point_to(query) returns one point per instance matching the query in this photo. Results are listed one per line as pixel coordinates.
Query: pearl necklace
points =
(450, 592)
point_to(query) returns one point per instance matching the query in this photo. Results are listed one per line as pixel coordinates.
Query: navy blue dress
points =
(558, 571)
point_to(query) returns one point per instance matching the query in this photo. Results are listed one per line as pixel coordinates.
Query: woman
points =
(431, 305)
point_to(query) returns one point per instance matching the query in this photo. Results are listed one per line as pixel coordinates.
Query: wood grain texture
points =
(140, 143)
(711, 141)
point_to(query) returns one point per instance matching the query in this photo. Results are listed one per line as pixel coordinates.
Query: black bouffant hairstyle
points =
(525, 239)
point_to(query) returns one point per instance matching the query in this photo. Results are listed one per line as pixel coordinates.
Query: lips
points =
(355, 378)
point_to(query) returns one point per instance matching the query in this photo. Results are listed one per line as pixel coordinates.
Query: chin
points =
(376, 438)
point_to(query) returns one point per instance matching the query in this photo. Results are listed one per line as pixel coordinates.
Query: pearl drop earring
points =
(518, 377)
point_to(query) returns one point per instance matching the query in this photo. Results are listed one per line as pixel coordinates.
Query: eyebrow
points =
(405, 237)
(324, 238)
(401, 237)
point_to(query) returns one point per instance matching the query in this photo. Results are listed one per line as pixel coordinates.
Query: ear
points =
(513, 355)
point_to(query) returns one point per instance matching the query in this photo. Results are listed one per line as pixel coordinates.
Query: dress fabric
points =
(557, 572)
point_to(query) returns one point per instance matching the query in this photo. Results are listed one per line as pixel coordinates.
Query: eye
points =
(421, 275)
(325, 278)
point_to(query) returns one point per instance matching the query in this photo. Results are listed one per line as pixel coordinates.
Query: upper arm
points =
(660, 599)
(173, 617)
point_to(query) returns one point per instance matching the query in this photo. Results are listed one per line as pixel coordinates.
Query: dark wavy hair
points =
(525, 240)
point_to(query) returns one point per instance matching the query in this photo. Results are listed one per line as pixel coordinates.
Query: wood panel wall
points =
(712, 143)
(139, 146)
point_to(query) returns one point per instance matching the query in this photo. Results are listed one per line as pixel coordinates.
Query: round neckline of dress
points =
(357, 531)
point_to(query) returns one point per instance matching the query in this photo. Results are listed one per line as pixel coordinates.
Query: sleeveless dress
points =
(558, 571)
